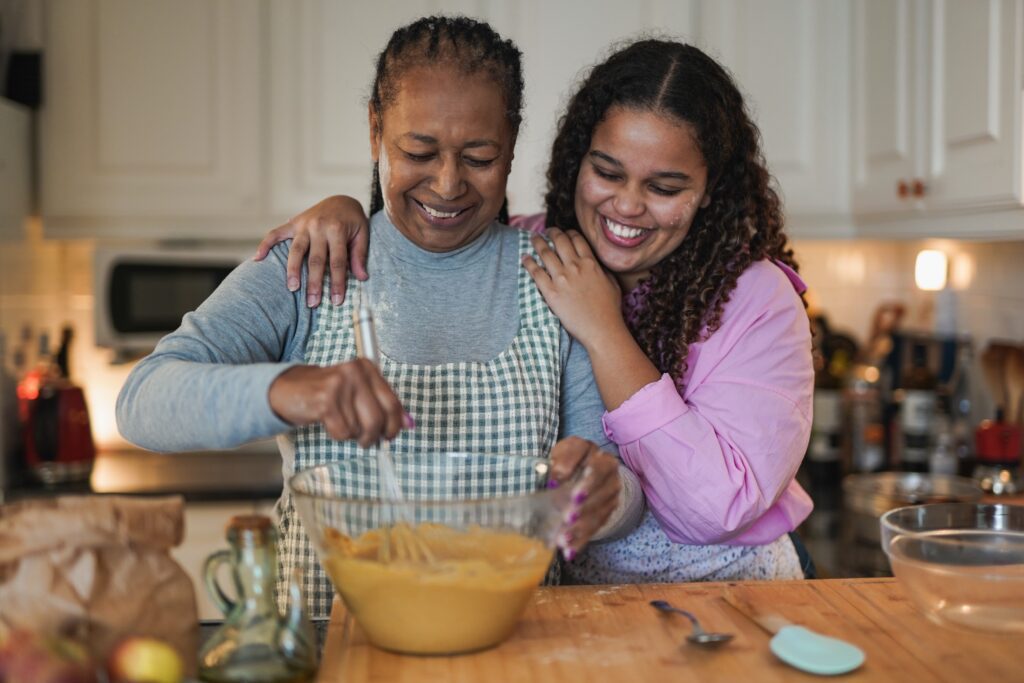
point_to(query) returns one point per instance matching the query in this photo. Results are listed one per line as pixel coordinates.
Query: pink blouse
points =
(717, 454)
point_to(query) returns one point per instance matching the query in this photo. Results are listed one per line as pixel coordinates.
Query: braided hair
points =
(742, 224)
(459, 43)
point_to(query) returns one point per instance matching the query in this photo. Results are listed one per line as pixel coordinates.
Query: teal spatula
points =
(801, 647)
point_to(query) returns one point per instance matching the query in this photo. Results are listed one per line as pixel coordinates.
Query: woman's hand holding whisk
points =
(594, 476)
(352, 400)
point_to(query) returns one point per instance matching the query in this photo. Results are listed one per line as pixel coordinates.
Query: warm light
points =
(930, 270)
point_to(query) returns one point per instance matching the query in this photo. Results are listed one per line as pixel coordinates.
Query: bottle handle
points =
(216, 593)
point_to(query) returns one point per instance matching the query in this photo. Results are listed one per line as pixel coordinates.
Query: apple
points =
(144, 660)
(27, 657)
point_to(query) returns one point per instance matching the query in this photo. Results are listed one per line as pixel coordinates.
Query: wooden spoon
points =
(993, 365)
(1014, 384)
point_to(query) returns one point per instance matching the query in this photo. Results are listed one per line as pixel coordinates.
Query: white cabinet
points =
(885, 105)
(937, 118)
(220, 118)
(790, 59)
(975, 124)
(15, 195)
(152, 120)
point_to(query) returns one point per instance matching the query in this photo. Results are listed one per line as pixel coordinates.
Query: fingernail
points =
(311, 300)
(336, 299)
(408, 421)
(564, 541)
(572, 516)
(552, 483)
(579, 497)
(293, 284)
(569, 555)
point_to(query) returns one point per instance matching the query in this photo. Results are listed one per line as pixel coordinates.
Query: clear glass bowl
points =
(451, 568)
(960, 563)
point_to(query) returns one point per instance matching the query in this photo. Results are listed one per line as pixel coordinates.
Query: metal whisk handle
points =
(365, 331)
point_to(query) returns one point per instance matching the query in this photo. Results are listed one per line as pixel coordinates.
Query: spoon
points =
(698, 636)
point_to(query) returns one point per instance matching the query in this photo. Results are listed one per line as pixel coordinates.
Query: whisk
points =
(408, 545)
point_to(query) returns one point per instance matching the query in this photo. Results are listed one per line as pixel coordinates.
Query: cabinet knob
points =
(902, 189)
(917, 188)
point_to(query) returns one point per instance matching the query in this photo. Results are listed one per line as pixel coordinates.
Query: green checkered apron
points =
(505, 405)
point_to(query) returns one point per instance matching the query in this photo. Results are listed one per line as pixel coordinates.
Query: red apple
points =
(144, 660)
(26, 657)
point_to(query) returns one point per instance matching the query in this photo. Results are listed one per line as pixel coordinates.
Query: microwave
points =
(142, 294)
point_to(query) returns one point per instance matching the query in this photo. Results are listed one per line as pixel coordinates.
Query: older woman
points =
(468, 346)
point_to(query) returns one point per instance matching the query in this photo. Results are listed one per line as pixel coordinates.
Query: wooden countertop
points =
(594, 634)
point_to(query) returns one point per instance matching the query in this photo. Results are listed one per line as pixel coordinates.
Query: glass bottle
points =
(864, 437)
(917, 414)
(256, 644)
(824, 453)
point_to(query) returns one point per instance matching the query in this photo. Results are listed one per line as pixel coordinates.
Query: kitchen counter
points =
(610, 633)
(241, 474)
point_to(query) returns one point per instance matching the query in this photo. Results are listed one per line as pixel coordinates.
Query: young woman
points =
(675, 275)
(499, 376)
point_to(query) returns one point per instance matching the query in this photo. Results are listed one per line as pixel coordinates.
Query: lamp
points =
(930, 270)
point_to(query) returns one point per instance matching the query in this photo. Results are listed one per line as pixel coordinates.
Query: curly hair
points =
(464, 45)
(687, 291)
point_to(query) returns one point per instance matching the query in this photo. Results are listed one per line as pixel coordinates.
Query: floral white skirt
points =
(647, 555)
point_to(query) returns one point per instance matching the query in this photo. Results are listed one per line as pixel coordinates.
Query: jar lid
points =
(250, 528)
(250, 522)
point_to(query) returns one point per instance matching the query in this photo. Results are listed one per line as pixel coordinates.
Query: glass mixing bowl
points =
(960, 563)
(451, 568)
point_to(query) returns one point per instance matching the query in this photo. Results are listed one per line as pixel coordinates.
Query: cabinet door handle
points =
(902, 189)
(918, 188)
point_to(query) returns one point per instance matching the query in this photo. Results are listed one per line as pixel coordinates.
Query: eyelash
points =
(470, 161)
(654, 188)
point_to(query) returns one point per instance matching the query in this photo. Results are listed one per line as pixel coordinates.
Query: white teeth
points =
(440, 214)
(623, 231)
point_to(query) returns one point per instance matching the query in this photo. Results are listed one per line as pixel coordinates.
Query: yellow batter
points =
(468, 596)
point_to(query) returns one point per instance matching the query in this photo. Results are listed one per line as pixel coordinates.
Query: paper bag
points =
(97, 568)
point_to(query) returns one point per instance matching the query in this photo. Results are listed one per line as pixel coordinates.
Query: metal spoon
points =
(698, 636)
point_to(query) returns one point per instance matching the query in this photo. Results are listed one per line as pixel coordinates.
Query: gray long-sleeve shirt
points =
(207, 384)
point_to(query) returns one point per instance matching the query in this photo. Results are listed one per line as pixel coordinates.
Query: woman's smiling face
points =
(444, 148)
(638, 189)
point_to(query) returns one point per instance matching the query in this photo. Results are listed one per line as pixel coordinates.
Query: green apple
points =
(144, 660)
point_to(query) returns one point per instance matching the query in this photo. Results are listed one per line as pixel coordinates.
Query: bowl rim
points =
(892, 530)
(380, 502)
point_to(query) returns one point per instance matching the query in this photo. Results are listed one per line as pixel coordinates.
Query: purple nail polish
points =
(408, 421)
(579, 497)
(569, 555)
(552, 483)
(573, 517)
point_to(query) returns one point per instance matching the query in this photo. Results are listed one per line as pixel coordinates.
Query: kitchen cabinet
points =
(937, 118)
(790, 59)
(15, 193)
(219, 119)
(205, 524)
(152, 118)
